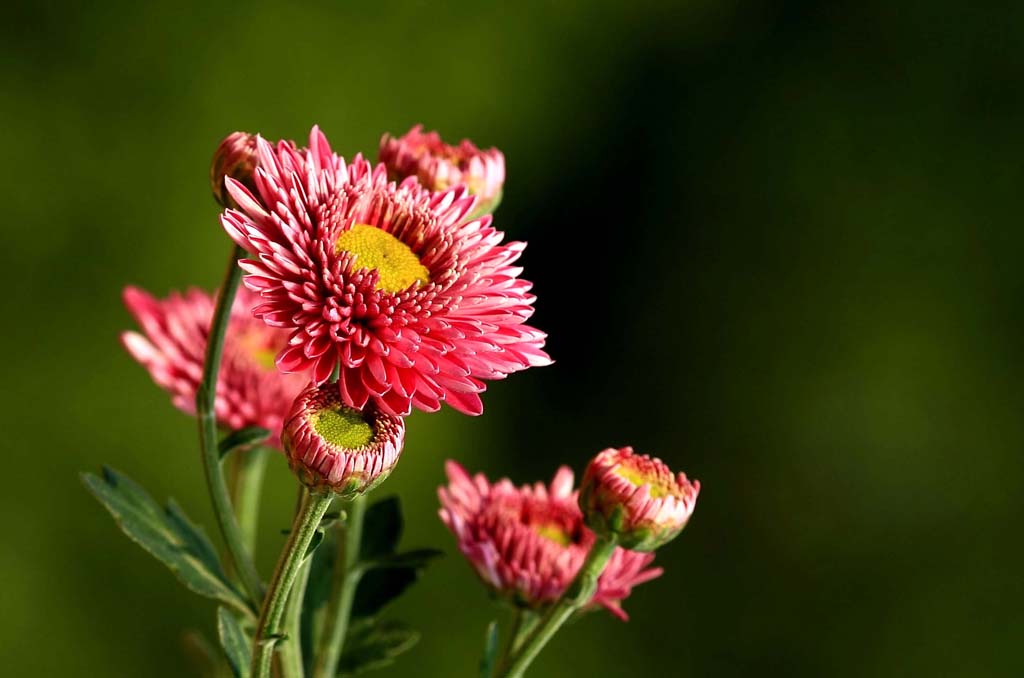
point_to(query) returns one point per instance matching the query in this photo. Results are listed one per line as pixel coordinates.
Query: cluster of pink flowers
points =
(527, 543)
(371, 290)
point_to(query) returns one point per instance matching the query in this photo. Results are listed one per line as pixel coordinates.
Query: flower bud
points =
(439, 166)
(235, 158)
(332, 447)
(636, 499)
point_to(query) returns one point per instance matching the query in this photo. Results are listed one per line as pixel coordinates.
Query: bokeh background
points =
(774, 243)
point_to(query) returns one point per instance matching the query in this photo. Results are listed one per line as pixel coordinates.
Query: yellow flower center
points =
(636, 478)
(265, 358)
(376, 249)
(554, 532)
(343, 427)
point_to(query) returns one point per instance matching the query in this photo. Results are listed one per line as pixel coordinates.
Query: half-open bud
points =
(332, 447)
(636, 499)
(235, 158)
(439, 166)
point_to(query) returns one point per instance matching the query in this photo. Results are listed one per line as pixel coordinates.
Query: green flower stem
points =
(206, 397)
(269, 627)
(247, 468)
(518, 629)
(347, 574)
(291, 647)
(578, 594)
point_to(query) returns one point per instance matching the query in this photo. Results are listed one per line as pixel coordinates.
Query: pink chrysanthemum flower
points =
(528, 543)
(333, 447)
(235, 157)
(636, 498)
(416, 303)
(440, 166)
(251, 391)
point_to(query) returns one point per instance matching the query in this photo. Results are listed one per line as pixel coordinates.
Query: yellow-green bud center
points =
(555, 533)
(343, 427)
(373, 248)
(637, 478)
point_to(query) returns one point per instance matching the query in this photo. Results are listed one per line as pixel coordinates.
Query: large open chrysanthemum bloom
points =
(251, 391)
(528, 543)
(417, 304)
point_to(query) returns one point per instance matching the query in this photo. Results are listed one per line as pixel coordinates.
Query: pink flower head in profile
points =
(251, 391)
(235, 157)
(439, 166)
(418, 304)
(636, 498)
(528, 543)
(335, 448)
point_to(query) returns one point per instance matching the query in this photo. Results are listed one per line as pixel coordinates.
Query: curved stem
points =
(206, 398)
(246, 484)
(268, 629)
(578, 594)
(343, 589)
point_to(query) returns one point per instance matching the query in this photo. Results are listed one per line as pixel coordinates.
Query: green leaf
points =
(375, 645)
(417, 559)
(490, 650)
(167, 534)
(242, 437)
(237, 647)
(318, 537)
(382, 528)
(318, 590)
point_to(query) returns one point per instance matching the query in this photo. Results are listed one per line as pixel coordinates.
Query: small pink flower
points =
(440, 166)
(636, 498)
(172, 346)
(528, 543)
(333, 447)
(417, 303)
(235, 157)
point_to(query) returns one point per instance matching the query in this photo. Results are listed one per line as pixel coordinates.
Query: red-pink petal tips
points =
(636, 499)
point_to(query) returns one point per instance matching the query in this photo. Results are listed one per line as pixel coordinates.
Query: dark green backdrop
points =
(774, 243)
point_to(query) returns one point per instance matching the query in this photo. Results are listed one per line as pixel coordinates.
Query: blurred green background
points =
(772, 243)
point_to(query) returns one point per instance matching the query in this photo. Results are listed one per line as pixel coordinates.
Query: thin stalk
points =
(345, 581)
(206, 398)
(269, 627)
(513, 637)
(578, 594)
(291, 647)
(245, 477)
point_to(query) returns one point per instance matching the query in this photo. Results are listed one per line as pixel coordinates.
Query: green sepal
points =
(490, 650)
(236, 644)
(242, 437)
(167, 534)
(374, 645)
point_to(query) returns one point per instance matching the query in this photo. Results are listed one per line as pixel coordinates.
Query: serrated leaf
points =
(374, 646)
(490, 650)
(165, 533)
(237, 647)
(382, 528)
(242, 437)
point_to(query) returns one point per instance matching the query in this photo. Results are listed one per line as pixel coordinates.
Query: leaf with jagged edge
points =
(167, 534)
